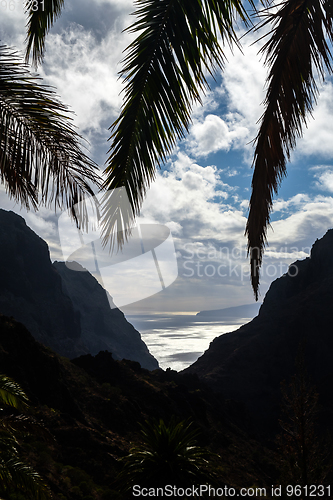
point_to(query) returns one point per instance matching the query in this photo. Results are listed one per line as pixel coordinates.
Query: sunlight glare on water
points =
(178, 341)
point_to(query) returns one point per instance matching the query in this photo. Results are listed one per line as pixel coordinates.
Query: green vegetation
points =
(17, 479)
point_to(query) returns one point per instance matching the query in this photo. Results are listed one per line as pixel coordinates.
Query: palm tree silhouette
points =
(164, 70)
(15, 475)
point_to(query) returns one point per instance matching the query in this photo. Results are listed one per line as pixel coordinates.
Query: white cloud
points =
(312, 217)
(325, 180)
(210, 136)
(296, 201)
(242, 90)
(12, 23)
(185, 194)
(318, 136)
(82, 61)
(214, 134)
(85, 74)
(243, 84)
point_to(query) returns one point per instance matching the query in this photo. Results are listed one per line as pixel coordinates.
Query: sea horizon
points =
(178, 340)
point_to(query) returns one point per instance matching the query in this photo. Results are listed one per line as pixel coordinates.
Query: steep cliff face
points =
(102, 328)
(31, 290)
(73, 318)
(248, 365)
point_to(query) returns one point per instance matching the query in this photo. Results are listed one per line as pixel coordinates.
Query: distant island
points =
(228, 313)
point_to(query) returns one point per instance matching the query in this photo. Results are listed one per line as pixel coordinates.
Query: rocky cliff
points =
(102, 328)
(248, 365)
(65, 310)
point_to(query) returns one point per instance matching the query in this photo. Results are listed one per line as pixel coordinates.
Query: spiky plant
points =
(168, 455)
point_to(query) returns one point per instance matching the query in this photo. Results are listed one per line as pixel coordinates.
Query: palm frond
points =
(15, 474)
(164, 71)
(117, 216)
(41, 17)
(18, 476)
(23, 425)
(12, 394)
(41, 158)
(297, 48)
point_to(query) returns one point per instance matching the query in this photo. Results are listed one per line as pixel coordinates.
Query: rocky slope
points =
(65, 310)
(248, 365)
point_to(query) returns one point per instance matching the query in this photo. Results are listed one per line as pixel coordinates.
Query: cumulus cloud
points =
(85, 74)
(214, 134)
(318, 136)
(243, 83)
(296, 201)
(186, 194)
(234, 125)
(312, 217)
(12, 23)
(325, 180)
(82, 60)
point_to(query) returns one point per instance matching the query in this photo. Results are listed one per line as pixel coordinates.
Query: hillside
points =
(92, 408)
(249, 364)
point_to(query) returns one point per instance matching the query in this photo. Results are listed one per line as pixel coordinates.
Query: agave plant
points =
(168, 455)
(15, 474)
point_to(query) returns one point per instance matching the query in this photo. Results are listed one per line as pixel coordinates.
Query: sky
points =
(202, 192)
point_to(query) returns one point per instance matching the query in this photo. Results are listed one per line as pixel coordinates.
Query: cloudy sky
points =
(202, 192)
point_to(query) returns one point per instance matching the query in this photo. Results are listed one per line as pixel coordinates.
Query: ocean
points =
(177, 341)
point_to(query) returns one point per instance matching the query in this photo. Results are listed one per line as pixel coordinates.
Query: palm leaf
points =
(164, 71)
(41, 159)
(296, 49)
(41, 17)
(118, 216)
(16, 475)
(12, 394)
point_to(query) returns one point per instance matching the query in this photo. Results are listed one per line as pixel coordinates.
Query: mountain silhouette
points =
(249, 364)
(65, 310)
